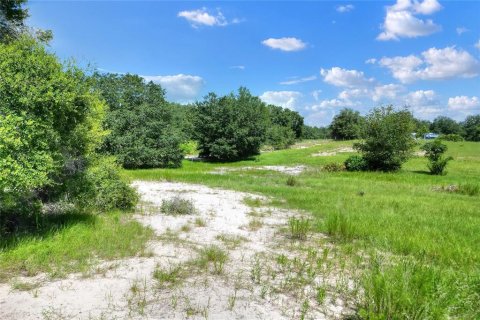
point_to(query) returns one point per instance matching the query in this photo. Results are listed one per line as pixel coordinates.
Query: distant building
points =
(430, 136)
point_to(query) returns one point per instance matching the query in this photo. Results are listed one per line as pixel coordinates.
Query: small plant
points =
(199, 222)
(177, 206)
(321, 295)
(298, 227)
(168, 278)
(255, 224)
(292, 181)
(186, 228)
(213, 255)
(333, 167)
(434, 152)
(356, 163)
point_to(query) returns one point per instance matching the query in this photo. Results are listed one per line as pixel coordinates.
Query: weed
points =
(231, 241)
(292, 181)
(321, 294)
(298, 227)
(469, 189)
(333, 167)
(255, 224)
(25, 286)
(199, 222)
(177, 206)
(212, 255)
(340, 226)
(186, 228)
(168, 277)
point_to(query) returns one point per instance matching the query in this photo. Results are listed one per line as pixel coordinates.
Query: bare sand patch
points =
(334, 152)
(291, 170)
(267, 275)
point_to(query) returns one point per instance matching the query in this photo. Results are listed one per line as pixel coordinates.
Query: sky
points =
(314, 57)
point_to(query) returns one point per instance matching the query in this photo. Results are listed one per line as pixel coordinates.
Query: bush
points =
(388, 139)
(178, 206)
(347, 125)
(356, 163)
(451, 137)
(280, 137)
(471, 127)
(230, 127)
(434, 152)
(333, 167)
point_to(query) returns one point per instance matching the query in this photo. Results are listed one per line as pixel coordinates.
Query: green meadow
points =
(418, 234)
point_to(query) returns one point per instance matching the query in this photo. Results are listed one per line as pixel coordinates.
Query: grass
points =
(67, 246)
(212, 256)
(298, 227)
(177, 206)
(398, 213)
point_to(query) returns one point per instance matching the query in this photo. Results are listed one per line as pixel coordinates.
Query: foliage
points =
(471, 127)
(470, 189)
(178, 206)
(451, 137)
(140, 121)
(299, 227)
(356, 163)
(434, 151)
(12, 17)
(445, 125)
(230, 127)
(422, 127)
(347, 125)
(50, 125)
(388, 141)
(286, 118)
(279, 137)
(309, 132)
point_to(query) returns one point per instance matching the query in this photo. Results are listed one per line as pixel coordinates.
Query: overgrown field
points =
(419, 234)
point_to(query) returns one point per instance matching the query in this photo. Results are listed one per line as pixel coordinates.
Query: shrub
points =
(280, 137)
(451, 137)
(333, 167)
(177, 206)
(434, 152)
(230, 127)
(388, 140)
(292, 181)
(347, 125)
(356, 163)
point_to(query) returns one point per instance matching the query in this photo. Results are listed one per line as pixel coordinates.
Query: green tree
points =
(434, 152)
(12, 17)
(388, 139)
(445, 125)
(311, 132)
(230, 127)
(142, 124)
(471, 127)
(347, 125)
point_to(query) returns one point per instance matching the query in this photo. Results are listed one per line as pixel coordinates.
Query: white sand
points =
(108, 294)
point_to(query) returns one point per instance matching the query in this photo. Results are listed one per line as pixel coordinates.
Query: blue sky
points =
(315, 57)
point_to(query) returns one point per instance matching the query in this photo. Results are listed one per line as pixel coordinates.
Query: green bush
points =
(347, 125)
(356, 163)
(471, 128)
(280, 137)
(388, 139)
(451, 137)
(230, 127)
(434, 152)
(178, 206)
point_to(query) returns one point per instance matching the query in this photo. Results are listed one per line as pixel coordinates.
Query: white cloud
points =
(477, 45)
(421, 98)
(463, 103)
(401, 21)
(286, 99)
(334, 103)
(345, 8)
(180, 87)
(461, 30)
(435, 64)
(371, 61)
(388, 92)
(239, 67)
(316, 94)
(285, 44)
(201, 17)
(296, 80)
(345, 78)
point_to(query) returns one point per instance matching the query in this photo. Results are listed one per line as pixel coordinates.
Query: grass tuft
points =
(177, 206)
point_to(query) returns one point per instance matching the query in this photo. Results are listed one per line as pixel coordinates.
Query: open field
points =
(404, 218)
(283, 236)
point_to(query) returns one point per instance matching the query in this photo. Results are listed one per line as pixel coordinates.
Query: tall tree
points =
(347, 125)
(471, 127)
(12, 18)
(445, 125)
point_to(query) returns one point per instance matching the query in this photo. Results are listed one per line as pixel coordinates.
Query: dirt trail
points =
(267, 275)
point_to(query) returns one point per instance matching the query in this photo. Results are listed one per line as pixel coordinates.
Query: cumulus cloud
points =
(387, 92)
(286, 99)
(296, 80)
(435, 64)
(401, 20)
(285, 44)
(463, 103)
(345, 78)
(345, 8)
(424, 104)
(201, 17)
(180, 87)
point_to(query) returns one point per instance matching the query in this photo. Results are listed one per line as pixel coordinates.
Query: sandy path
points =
(252, 285)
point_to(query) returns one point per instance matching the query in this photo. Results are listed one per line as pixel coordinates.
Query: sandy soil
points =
(333, 152)
(291, 170)
(251, 285)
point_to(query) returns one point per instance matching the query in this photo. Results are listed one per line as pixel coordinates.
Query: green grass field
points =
(422, 244)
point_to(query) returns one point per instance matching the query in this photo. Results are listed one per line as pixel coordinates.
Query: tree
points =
(12, 17)
(388, 138)
(347, 125)
(422, 127)
(309, 132)
(471, 127)
(285, 126)
(434, 152)
(445, 125)
(230, 127)
(140, 121)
